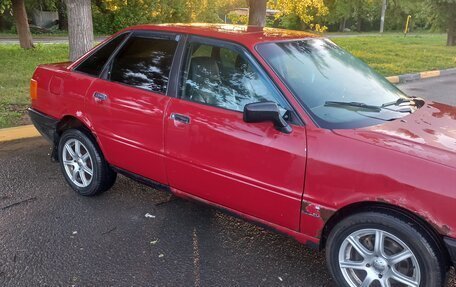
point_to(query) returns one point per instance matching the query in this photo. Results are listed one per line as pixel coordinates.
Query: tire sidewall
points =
(92, 188)
(418, 244)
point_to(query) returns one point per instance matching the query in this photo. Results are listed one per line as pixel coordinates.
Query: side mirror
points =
(266, 112)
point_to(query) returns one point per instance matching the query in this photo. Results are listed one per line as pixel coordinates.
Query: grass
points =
(16, 69)
(390, 54)
(395, 54)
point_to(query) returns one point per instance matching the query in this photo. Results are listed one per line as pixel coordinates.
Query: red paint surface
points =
(254, 170)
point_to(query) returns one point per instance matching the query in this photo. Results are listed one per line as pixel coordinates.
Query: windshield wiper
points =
(397, 102)
(353, 104)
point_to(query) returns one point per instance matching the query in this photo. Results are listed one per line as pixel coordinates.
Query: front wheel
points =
(378, 249)
(83, 165)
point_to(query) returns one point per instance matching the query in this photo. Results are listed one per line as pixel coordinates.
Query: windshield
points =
(336, 88)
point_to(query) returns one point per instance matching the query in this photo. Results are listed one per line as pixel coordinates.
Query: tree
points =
(4, 6)
(451, 41)
(61, 10)
(305, 11)
(23, 29)
(257, 13)
(446, 15)
(80, 28)
(382, 20)
(340, 11)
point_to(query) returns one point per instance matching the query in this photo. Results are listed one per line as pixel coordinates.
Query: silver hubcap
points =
(77, 162)
(372, 257)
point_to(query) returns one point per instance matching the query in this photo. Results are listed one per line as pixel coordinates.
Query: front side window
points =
(96, 61)
(338, 90)
(224, 78)
(144, 63)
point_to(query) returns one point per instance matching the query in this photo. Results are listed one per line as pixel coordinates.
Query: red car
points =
(283, 128)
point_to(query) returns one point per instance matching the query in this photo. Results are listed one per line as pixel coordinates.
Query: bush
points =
(107, 20)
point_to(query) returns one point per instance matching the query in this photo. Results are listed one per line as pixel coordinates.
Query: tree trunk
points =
(451, 41)
(22, 26)
(257, 13)
(80, 28)
(2, 22)
(342, 25)
(359, 24)
(382, 19)
(63, 19)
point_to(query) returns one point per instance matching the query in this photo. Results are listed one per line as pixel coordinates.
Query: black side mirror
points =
(265, 112)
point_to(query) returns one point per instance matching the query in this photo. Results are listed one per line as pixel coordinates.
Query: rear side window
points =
(95, 62)
(144, 63)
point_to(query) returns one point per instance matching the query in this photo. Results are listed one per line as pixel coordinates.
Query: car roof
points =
(246, 35)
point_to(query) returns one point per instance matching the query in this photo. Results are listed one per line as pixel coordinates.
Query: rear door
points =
(127, 103)
(214, 155)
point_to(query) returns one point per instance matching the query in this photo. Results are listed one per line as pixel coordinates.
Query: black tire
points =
(103, 177)
(430, 261)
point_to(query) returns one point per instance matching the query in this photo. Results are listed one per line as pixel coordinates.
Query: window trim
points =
(96, 49)
(160, 35)
(295, 119)
(300, 102)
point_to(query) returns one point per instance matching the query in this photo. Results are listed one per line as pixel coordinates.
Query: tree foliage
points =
(445, 15)
(300, 13)
(112, 15)
(357, 15)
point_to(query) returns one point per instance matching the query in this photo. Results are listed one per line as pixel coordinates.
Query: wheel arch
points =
(68, 122)
(428, 230)
(71, 122)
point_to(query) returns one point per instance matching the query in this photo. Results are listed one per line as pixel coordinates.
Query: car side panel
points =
(251, 168)
(343, 171)
(60, 91)
(129, 126)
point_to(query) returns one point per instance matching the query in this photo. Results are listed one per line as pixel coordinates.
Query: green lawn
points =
(16, 69)
(395, 54)
(391, 54)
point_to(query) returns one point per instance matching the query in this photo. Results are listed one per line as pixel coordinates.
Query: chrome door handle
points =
(100, 96)
(180, 118)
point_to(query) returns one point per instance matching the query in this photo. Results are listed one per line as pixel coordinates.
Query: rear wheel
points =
(378, 249)
(83, 165)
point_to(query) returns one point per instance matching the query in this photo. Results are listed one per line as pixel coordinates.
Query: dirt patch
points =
(25, 120)
(15, 114)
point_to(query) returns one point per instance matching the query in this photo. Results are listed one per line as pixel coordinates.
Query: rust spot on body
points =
(326, 214)
(442, 229)
(310, 209)
(316, 211)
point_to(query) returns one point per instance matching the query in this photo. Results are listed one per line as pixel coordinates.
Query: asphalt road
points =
(50, 236)
(439, 89)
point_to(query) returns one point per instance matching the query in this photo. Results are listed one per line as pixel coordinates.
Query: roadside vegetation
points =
(390, 54)
(17, 66)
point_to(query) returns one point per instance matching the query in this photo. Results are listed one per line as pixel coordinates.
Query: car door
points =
(216, 156)
(127, 104)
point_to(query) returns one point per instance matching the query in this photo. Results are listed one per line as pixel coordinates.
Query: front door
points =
(127, 104)
(214, 155)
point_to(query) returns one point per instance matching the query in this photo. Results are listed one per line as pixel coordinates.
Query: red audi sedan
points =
(282, 128)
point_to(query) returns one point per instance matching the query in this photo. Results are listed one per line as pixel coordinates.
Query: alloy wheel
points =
(373, 257)
(78, 163)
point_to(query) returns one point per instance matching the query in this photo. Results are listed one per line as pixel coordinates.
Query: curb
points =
(16, 133)
(419, 76)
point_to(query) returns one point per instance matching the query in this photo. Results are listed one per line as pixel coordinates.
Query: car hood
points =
(429, 133)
